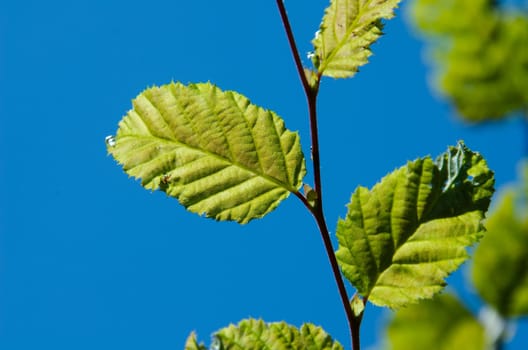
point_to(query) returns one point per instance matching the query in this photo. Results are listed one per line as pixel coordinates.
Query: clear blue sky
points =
(90, 260)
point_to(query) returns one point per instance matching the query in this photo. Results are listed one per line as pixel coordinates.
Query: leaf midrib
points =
(420, 221)
(216, 156)
(342, 43)
(234, 102)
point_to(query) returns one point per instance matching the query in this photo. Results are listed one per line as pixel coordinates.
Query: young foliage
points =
(228, 159)
(400, 240)
(192, 343)
(256, 334)
(343, 41)
(500, 266)
(217, 153)
(481, 56)
(442, 323)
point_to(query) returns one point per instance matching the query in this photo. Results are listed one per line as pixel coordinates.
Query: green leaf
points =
(441, 17)
(256, 334)
(480, 58)
(439, 324)
(192, 343)
(491, 81)
(402, 238)
(343, 41)
(500, 265)
(217, 153)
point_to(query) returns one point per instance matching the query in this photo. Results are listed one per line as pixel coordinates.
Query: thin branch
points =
(317, 209)
(303, 199)
(354, 321)
(293, 47)
(311, 96)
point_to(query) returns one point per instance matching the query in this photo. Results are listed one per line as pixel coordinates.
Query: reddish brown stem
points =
(316, 209)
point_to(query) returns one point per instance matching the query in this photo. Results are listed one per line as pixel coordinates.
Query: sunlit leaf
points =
(256, 334)
(480, 57)
(217, 153)
(402, 238)
(442, 323)
(192, 343)
(500, 265)
(343, 41)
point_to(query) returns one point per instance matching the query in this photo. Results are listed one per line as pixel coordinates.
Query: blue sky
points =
(90, 260)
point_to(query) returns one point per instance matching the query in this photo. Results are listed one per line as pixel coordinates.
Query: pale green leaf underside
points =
(500, 265)
(217, 153)
(401, 239)
(257, 334)
(349, 27)
(439, 324)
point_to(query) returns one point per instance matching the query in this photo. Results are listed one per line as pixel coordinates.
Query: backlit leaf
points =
(442, 323)
(500, 265)
(402, 238)
(217, 153)
(343, 41)
(192, 343)
(256, 334)
(480, 57)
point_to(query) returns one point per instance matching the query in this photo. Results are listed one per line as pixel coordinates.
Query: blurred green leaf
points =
(452, 17)
(480, 52)
(524, 182)
(500, 266)
(442, 323)
(343, 41)
(217, 153)
(402, 238)
(256, 334)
